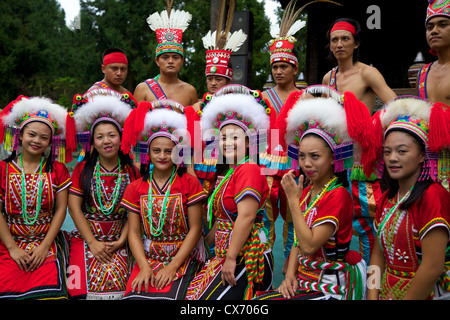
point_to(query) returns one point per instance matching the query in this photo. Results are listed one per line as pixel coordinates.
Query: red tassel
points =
(71, 133)
(281, 122)
(359, 127)
(134, 125)
(5, 112)
(377, 134)
(439, 130)
(193, 124)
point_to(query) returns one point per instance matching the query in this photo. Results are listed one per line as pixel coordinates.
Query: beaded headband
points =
(340, 120)
(438, 8)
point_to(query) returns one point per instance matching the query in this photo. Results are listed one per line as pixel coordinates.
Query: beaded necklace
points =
(330, 185)
(162, 217)
(213, 196)
(28, 219)
(115, 195)
(389, 241)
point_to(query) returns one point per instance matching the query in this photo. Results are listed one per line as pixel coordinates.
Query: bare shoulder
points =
(326, 78)
(367, 70)
(141, 92)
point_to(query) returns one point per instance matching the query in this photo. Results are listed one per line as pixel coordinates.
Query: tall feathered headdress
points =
(220, 44)
(169, 26)
(282, 44)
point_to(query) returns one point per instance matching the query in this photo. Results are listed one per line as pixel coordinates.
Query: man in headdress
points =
(115, 69)
(219, 46)
(169, 58)
(364, 81)
(433, 81)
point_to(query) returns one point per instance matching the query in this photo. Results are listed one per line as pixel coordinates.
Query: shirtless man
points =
(115, 69)
(167, 85)
(433, 81)
(364, 81)
(169, 58)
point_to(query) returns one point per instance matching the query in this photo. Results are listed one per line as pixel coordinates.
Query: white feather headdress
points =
(221, 43)
(169, 26)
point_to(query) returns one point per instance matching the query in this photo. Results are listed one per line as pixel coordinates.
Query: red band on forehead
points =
(115, 57)
(342, 25)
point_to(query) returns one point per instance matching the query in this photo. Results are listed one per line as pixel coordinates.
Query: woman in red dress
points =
(319, 136)
(410, 259)
(33, 200)
(98, 253)
(166, 202)
(243, 260)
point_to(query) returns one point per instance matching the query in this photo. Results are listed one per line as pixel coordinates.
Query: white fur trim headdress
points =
(95, 106)
(427, 122)
(24, 110)
(339, 120)
(160, 118)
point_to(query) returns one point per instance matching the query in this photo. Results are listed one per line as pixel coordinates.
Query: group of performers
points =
(175, 198)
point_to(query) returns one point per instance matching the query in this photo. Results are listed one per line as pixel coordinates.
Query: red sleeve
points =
(248, 181)
(195, 192)
(335, 207)
(75, 188)
(62, 177)
(433, 210)
(131, 197)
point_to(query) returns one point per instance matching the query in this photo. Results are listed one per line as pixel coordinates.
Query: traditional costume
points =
(101, 206)
(436, 8)
(169, 26)
(236, 104)
(219, 46)
(333, 271)
(400, 231)
(281, 50)
(163, 209)
(28, 201)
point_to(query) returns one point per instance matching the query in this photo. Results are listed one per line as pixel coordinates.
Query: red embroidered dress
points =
(401, 238)
(98, 280)
(48, 281)
(246, 180)
(185, 191)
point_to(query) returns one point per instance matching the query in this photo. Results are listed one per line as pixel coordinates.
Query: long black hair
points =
(90, 160)
(419, 187)
(356, 37)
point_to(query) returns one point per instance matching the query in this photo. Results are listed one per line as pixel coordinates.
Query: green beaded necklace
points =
(162, 217)
(213, 196)
(115, 195)
(28, 219)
